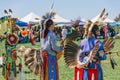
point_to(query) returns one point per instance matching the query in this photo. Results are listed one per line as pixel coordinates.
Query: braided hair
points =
(47, 25)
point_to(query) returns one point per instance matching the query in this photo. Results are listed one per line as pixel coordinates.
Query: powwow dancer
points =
(49, 51)
(44, 63)
(87, 57)
(31, 35)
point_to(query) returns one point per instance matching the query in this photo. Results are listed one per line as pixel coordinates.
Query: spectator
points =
(24, 34)
(64, 33)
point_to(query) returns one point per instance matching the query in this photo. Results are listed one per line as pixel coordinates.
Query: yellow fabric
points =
(60, 54)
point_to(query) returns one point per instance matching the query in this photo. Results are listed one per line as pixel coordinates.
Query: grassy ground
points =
(109, 73)
(66, 73)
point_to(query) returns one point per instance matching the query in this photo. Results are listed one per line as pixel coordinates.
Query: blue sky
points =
(69, 9)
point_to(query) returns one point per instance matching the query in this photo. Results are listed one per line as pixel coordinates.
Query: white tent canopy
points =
(107, 20)
(82, 20)
(60, 20)
(31, 18)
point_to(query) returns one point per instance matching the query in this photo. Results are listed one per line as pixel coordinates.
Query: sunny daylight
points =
(59, 40)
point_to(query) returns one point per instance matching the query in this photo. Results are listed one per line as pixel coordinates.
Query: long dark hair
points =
(47, 24)
(95, 27)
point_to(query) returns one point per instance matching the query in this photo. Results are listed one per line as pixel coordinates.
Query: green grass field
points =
(66, 73)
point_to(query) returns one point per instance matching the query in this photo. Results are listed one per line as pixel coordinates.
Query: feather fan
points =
(34, 61)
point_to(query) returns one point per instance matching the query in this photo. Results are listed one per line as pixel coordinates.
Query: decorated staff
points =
(87, 57)
(11, 41)
(11, 56)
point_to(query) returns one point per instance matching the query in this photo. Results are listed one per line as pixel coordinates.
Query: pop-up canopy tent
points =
(107, 20)
(31, 18)
(60, 20)
(82, 22)
(115, 24)
(21, 23)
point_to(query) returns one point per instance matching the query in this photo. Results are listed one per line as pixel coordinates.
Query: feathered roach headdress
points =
(47, 16)
(90, 25)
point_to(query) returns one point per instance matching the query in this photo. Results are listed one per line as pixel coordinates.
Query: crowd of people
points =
(60, 32)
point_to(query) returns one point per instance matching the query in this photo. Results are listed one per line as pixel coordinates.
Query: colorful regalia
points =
(86, 58)
(43, 62)
(49, 52)
(9, 70)
(94, 68)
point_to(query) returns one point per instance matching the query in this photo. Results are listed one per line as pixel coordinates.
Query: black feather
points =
(5, 11)
(10, 10)
(112, 63)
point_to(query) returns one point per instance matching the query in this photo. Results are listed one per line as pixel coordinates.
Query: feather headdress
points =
(99, 21)
(49, 15)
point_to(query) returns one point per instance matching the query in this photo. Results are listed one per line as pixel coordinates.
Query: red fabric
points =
(57, 71)
(80, 70)
(32, 40)
(14, 55)
(62, 42)
(20, 65)
(9, 67)
(14, 37)
(105, 29)
(45, 57)
(92, 71)
(8, 72)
